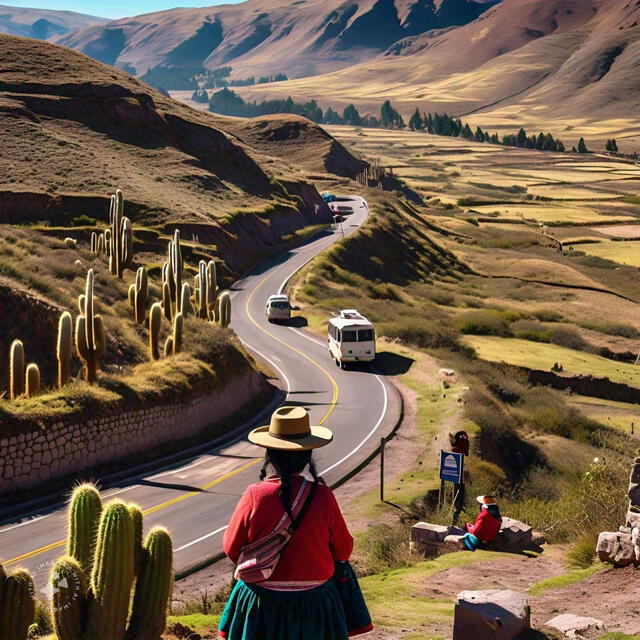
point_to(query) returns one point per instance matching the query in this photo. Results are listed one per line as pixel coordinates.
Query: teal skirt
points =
(256, 613)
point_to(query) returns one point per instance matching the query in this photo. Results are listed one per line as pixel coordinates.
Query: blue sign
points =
(451, 466)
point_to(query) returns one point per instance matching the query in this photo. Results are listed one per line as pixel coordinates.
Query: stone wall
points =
(61, 449)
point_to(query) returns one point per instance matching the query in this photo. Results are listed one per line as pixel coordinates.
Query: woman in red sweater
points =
(299, 600)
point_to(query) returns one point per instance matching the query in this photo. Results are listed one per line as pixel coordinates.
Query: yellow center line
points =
(231, 474)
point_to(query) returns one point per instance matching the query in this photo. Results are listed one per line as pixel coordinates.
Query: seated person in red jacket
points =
(487, 524)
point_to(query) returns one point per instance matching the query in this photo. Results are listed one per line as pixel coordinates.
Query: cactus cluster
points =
(90, 338)
(105, 556)
(120, 236)
(138, 295)
(64, 348)
(22, 380)
(206, 291)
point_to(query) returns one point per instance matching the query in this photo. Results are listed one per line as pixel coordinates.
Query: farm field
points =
(537, 355)
(489, 202)
(625, 252)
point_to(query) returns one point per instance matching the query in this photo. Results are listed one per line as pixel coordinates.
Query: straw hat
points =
(290, 430)
(486, 499)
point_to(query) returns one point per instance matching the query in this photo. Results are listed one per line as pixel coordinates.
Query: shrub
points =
(385, 547)
(426, 334)
(531, 330)
(582, 553)
(568, 337)
(547, 315)
(486, 477)
(484, 322)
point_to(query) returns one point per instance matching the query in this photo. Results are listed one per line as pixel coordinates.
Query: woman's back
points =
(321, 538)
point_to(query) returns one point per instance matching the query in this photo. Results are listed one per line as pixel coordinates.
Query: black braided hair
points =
(286, 464)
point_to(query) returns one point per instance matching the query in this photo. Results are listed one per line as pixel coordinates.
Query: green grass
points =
(198, 622)
(557, 582)
(392, 599)
(536, 355)
(619, 636)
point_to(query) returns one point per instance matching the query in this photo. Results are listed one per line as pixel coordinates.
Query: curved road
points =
(195, 497)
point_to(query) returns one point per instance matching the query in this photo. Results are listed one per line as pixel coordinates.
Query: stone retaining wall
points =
(64, 448)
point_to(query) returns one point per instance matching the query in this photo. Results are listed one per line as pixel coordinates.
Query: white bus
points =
(352, 338)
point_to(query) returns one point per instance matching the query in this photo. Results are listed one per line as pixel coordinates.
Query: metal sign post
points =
(451, 470)
(383, 442)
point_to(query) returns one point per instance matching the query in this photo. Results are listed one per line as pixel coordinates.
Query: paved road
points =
(195, 498)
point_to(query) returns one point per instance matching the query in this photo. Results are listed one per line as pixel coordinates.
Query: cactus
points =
(153, 588)
(85, 509)
(33, 380)
(212, 288)
(94, 242)
(90, 339)
(16, 370)
(138, 294)
(173, 344)
(168, 347)
(185, 300)
(64, 348)
(224, 312)
(166, 301)
(100, 608)
(120, 236)
(106, 234)
(17, 608)
(136, 519)
(112, 575)
(155, 320)
(68, 602)
(177, 264)
(100, 245)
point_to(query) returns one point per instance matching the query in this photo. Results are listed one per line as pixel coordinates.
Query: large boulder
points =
(491, 615)
(514, 536)
(633, 518)
(575, 626)
(634, 484)
(616, 548)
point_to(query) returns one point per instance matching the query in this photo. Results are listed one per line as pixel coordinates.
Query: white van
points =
(352, 338)
(278, 308)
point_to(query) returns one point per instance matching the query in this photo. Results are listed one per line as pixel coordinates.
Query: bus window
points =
(349, 336)
(365, 335)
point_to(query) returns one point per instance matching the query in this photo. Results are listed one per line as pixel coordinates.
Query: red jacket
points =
(321, 538)
(486, 527)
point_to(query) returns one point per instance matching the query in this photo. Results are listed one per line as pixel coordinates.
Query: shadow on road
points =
(392, 364)
(170, 485)
(298, 322)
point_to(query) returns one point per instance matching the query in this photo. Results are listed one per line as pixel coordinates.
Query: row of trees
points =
(446, 125)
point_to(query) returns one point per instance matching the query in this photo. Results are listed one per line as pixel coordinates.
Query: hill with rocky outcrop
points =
(73, 129)
(266, 37)
(42, 23)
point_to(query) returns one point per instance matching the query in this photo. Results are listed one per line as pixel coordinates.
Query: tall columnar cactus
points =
(136, 519)
(64, 348)
(185, 300)
(33, 380)
(112, 575)
(121, 236)
(17, 605)
(100, 245)
(212, 289)
(69, 600)
(177, 265)
(94, 243)
(16, 370)
(107, 242)
(90, 339)
(224, 312)
(173, 344)
(138, 294)
(155, 320)
(153, 588)
(85, 509)
(167, 308)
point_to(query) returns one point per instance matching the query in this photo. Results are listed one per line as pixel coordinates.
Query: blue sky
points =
(112, 8)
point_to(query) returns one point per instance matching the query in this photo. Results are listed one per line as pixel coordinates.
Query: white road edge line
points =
(208, 535)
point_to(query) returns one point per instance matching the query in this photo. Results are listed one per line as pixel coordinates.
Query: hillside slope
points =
(527, 62)
(42, 23)
(265, 37)
(71, 138)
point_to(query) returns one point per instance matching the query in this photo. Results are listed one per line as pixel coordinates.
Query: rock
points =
(633, 519)
(491, 615)
(575, 626)
(454, 543)
(514, 536)
(538, 539)
(425, 533)
(616, 548)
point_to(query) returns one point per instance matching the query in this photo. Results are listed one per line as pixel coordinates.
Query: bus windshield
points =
(279, 304)
(365, 335)
(362, 335)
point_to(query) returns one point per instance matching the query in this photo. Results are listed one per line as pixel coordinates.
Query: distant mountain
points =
(561, 65)
(265, 37)
(42, 23)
